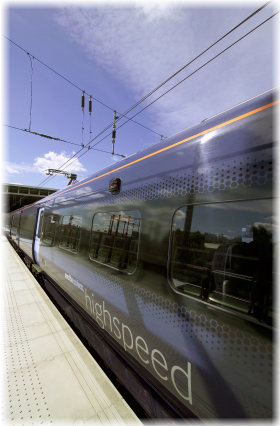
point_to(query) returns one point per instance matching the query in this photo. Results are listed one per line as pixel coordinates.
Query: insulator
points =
(90, 106)
(114, 134)
(83, 100)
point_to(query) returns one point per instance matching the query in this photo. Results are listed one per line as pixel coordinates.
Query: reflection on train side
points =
(70, 233)
(226, 259)
(15, 227)
(49, 227)
(115, 238)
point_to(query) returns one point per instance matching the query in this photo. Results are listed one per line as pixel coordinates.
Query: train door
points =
(38, 234)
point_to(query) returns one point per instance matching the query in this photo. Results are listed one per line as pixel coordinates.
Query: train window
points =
(70, 233)
(49, 225)
(222, 253)
(115, 239)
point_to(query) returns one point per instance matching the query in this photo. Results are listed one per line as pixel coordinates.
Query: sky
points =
(117, 53)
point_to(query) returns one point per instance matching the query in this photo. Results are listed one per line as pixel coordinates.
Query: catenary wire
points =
(58, 139)
(159, 86)
(181, 69)
(145, 97)
(38, 134)
(52, 177)
(185, 77)
(102, 103)
(206, 63)
(49, 178)
(167, 90)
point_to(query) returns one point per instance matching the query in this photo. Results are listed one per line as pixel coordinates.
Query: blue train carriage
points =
(168, 256)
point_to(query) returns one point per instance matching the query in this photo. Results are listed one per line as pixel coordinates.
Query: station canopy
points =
(12, 195)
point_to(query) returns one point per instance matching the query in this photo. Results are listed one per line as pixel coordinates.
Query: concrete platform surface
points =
(48, 376)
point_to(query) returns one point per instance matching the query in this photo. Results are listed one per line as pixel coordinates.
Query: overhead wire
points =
(52, 177)
(159, 86)
(64, 164)
(61, 140)
(173, 75)
(38, 134)
(107, 127)
(74, 85)
(164, 93)
(57, 139)
(185, 66)
(153, 91)
(206, 63)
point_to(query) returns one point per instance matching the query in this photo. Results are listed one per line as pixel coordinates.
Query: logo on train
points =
(75, 282)
(123, 333)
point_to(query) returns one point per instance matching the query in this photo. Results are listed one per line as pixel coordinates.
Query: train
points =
(166, 263)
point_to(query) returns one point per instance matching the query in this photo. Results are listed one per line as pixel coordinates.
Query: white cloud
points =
(18, 168)
(180, 214)
(10, 170)
(143, 45)
(52, 160)
(156, 11)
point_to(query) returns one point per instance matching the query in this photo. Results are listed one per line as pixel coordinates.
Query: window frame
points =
(138, 245)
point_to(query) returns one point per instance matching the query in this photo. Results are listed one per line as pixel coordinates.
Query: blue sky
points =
(119, 52)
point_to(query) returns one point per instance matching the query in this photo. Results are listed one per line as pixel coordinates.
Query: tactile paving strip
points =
(48, 376)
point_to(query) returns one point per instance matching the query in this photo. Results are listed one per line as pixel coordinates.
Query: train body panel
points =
(175, 269)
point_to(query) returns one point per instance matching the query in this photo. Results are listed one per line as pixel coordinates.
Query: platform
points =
(48, 376)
